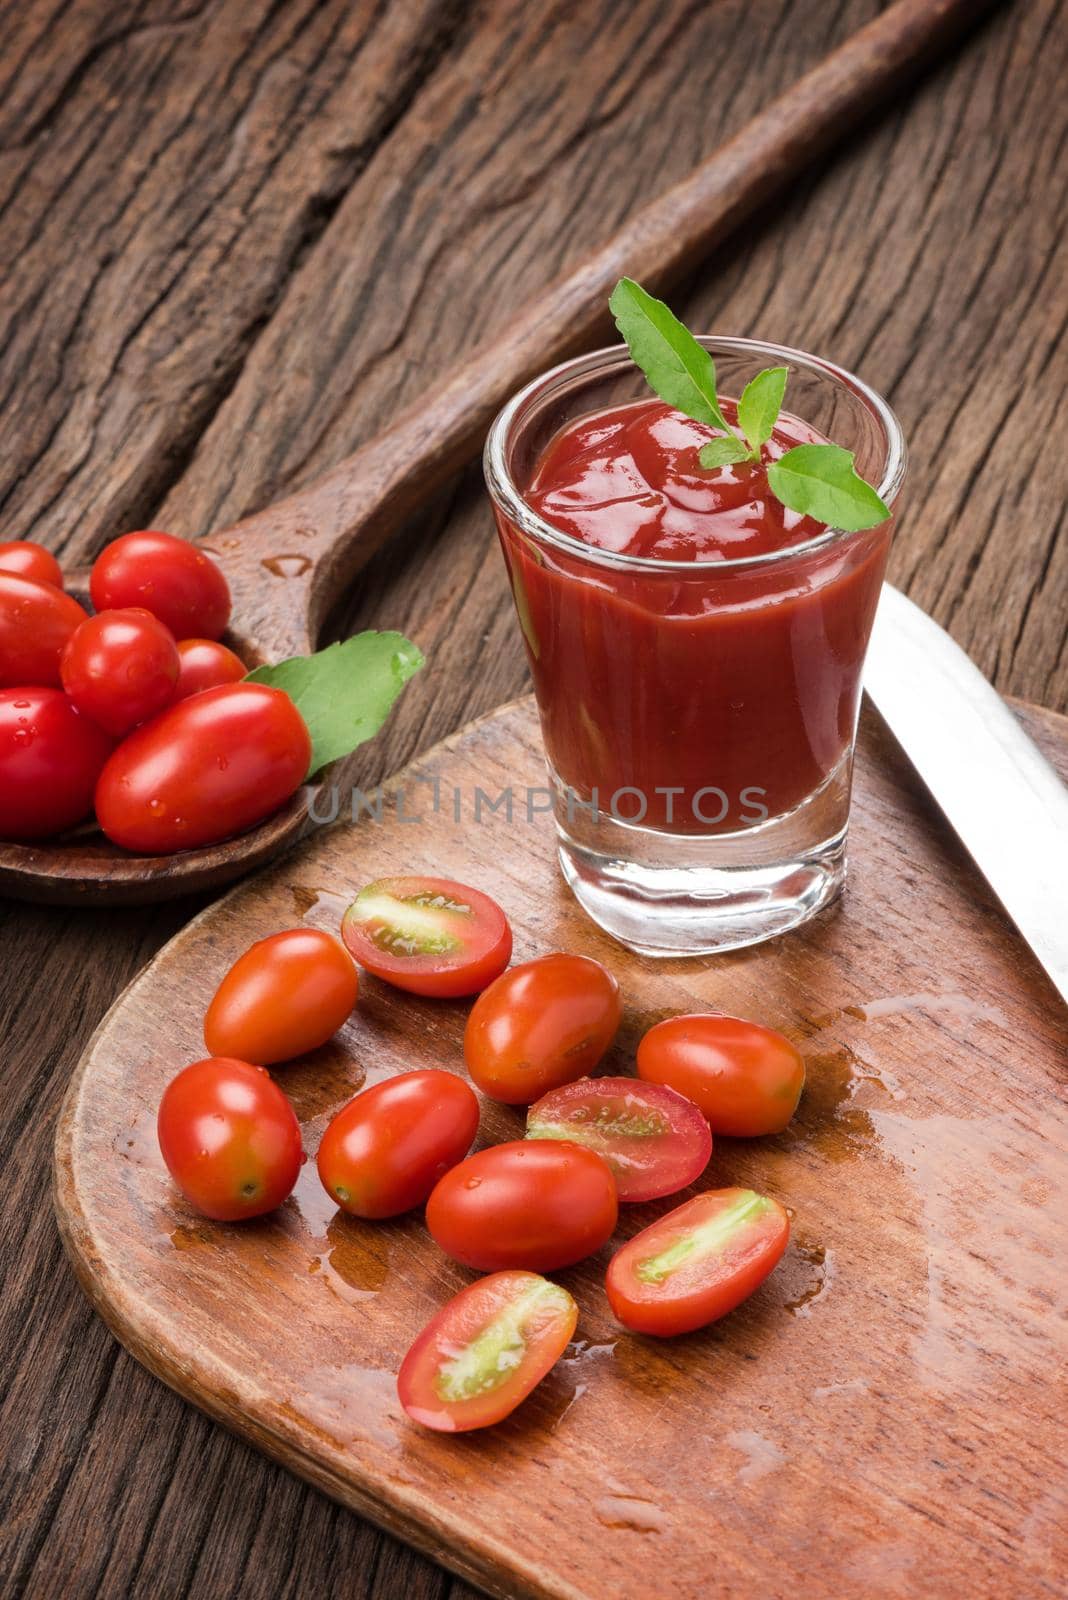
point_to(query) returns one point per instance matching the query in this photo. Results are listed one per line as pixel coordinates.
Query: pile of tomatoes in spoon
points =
(137, 712)
(513, 1211)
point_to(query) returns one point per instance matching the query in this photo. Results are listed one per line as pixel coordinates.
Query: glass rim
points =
(511, 502)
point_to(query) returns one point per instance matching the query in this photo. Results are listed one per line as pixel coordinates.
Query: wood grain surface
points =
(235, 239)
(896, 1367)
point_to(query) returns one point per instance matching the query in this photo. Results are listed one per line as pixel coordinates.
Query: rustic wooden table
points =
(235, 237)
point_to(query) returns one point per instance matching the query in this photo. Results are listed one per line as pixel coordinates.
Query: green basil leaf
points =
(820, 480)
(345, 692)
(679, 370)
(759, 407)
(722, 453)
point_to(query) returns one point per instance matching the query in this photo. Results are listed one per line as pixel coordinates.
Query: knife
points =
(997, 791)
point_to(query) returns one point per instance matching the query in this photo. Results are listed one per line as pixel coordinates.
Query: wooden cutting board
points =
(880, 1418)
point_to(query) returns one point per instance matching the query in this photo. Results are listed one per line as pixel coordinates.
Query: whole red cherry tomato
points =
(205, 664)
(532, 1204)
(205, 769)
(230, 1139)
(698, 1262)
(541, 1024)
(50, 759)
(175, 580)
(30, 560)
(745, 1078)
(120, 668)
(286, 995)
(36, 620)
(384, 1152)
(485, 1351)
(654, 1141)
(428, 935)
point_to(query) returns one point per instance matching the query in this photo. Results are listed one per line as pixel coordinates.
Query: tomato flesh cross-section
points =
(698, 1262)
(430, 936)
(654, 1140)
(485, 1351)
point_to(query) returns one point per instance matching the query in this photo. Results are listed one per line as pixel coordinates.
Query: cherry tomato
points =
(544, 1023)
(384, 1152)
(485, 1351)
(697, 1263)
(50, 759)
(286, 995)
(205, 664)
(538, 1205)
(170, 577)
(31, 561)
(428, 935)
(36, 620)
(205, 769)
(745, 1078)
(120, 668)
(654, 1141)
(230, 1139)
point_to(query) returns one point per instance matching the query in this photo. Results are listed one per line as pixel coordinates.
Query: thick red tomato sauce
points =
(738, 690)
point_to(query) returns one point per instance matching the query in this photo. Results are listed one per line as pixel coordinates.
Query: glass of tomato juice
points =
(696, 648)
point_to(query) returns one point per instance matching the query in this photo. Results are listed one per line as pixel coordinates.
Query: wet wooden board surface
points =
(288, 219)
(896, 1365)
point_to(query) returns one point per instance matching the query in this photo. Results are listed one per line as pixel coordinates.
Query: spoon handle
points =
(288, 563)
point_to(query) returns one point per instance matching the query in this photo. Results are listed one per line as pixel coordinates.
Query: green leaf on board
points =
(345, 692)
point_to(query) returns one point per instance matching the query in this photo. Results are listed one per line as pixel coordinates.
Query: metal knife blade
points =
(997, 791)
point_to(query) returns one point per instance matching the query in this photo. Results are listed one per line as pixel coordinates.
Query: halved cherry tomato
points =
(384, 1152)
(30, 560)
(205, 664)
(230, 1139)
(120, 668)
(36, 620)
(654, 1140)
(538, 1205)
(286, 995)
(205, 769)
(50, 759)
(745, 1078)
(428, 935)
(485, 1351)
(697, 1263)
(170, 577)
(544, 1023)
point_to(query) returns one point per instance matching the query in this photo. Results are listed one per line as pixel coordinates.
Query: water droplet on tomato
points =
(472, 1183)
(21, 705)
(156, 807)
(223, 763)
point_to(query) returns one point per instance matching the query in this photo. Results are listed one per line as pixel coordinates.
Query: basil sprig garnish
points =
(816, 480)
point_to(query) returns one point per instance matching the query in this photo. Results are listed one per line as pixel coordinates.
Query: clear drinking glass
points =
(699, 717)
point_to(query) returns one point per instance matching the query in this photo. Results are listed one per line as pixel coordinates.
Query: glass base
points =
(666, 894)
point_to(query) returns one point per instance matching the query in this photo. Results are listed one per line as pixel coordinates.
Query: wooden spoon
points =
(286, 565)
